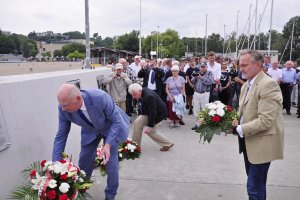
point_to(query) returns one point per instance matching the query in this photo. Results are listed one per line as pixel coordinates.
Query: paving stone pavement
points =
(193, 171)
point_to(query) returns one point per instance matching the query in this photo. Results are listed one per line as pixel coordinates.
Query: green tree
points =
(215, 43)
(57, 53)
(76, 55)
(72, 47)
(190, 44)
(287, 32)
(7, 45)
(74, 35)
(170, 44)
(128, 41)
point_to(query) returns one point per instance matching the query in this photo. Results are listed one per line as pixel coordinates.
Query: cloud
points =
(116, 17)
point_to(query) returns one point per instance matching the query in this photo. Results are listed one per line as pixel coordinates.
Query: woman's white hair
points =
(175, 62)
(135, 87)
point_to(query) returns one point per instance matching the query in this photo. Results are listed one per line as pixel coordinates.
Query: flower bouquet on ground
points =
(127, 150)
(99, 160)
(60, 180)
(215, 118)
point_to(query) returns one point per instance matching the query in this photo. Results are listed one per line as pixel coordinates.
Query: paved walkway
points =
(193, 171)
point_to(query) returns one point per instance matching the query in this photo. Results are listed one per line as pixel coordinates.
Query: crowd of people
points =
(161, 89)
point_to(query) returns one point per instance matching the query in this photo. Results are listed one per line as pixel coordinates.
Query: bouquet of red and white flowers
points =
(60, 180)
(129, 150)
(215, 118)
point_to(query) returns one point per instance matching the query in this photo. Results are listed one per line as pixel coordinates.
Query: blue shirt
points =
(289, 76)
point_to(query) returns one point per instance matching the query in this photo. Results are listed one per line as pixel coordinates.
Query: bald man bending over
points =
(99, 117)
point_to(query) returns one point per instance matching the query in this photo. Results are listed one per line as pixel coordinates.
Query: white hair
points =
(175, 62)
(135, 87)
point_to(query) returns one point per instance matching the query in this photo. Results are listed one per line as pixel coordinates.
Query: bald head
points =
(289, 64)
(69, 97)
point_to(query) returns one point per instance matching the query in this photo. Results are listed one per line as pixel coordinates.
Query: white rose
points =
(57, 168)
(51, 168)
(120, 155)
(83, 174)
(220, 112)
(64, 187)
(212, 112)
(80, 179)
(52, 183)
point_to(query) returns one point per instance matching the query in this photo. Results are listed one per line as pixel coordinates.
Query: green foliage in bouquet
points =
(129, 150)
(47, 180)
(215, 119)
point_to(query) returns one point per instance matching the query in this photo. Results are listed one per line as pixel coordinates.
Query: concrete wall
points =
(29, 108)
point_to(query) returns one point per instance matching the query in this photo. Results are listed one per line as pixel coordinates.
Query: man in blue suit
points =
(99, 117)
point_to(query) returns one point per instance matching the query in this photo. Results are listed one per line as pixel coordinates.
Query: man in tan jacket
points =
(118, 83)
(260, 126)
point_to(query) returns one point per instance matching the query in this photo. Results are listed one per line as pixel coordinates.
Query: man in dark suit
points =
(152, 77)
(153, 111)
(99, 117)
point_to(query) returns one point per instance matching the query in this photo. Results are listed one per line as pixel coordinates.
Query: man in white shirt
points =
(215, 68)
(135, 66)
(275, 73)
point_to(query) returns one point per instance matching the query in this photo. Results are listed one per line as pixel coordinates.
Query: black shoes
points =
(195, 127)
(288, 112)
(181, 122)
(187, 107)
(190, 112)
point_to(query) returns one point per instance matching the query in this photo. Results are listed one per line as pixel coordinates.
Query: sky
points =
(117, 17)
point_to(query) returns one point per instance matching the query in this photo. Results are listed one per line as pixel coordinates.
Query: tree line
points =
(168, 43)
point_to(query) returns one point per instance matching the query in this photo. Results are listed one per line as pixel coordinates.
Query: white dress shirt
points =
(239, 127)
(215, 69)
(275, 73)
(151, 86)
(84, 111)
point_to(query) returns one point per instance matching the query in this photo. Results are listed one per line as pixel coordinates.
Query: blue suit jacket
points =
(109, 121)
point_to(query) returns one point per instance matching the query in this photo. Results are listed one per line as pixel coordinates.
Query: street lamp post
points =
(87, 36)
(157, 42)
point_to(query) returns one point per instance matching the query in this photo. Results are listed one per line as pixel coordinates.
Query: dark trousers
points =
(87, 161)
(286, 90)
(224, 96)
(213, 95)
(298, 109)
(234, 89)
(129, 106)
(257, 179)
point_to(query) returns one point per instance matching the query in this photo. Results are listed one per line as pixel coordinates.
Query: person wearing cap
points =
(202, 82)
(175, 86)
(118, 83)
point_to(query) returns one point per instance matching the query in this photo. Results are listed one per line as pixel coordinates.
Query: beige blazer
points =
(262, 120)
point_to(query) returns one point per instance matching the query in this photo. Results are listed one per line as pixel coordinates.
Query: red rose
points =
(216, 118)
(63, 197)
(62, 161)
(124, 150)
(138, 149)
(64, 177)
(43, 163)
(229, 109)
(33, 173)
(51, 194)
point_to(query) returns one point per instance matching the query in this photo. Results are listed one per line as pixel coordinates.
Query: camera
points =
(202, 73)
(233, 73)
(195, 73)
(118, 75)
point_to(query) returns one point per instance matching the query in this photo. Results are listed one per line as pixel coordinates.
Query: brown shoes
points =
(166, 148)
